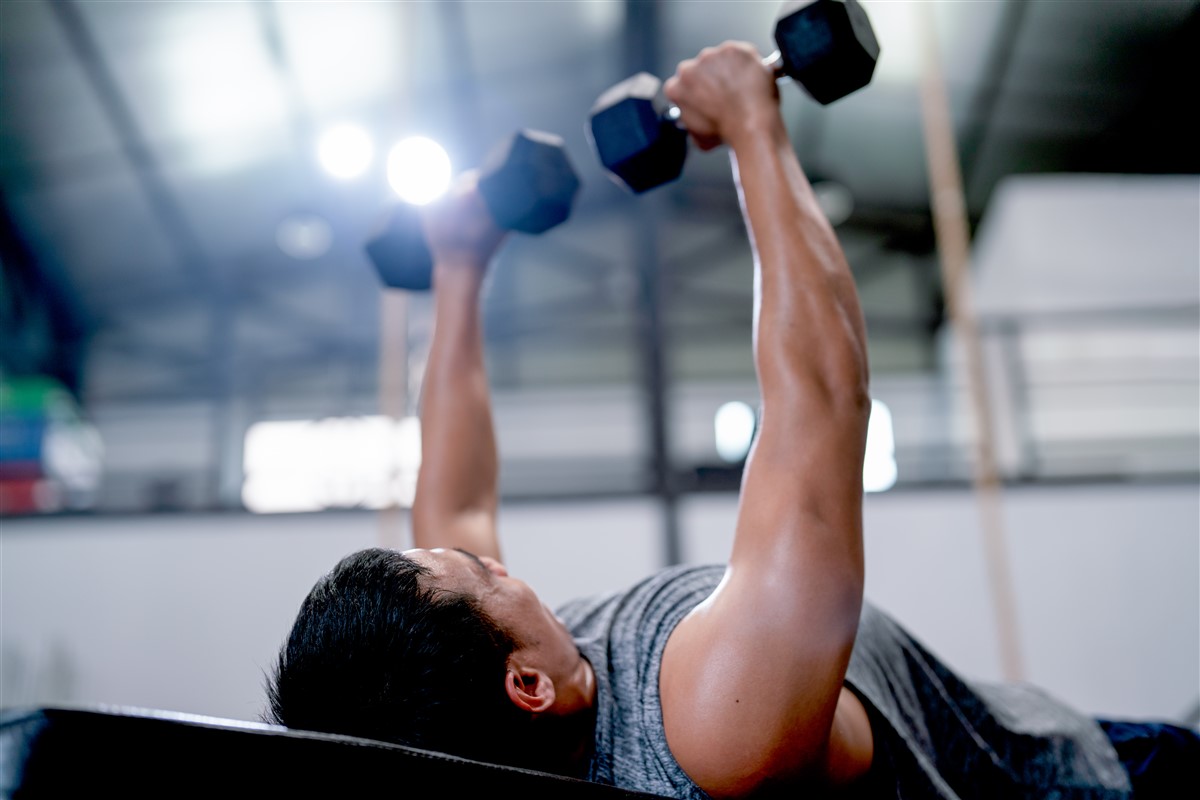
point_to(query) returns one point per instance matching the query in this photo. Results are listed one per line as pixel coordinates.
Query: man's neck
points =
(567, 742)
(568, 733)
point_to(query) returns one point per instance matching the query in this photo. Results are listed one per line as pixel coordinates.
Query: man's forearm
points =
(811, 359)
(456, 497)
(808, 324)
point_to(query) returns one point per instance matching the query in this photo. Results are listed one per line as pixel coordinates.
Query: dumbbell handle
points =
(774, 62)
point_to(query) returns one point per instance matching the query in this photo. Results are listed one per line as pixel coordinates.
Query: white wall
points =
(1106, 579)
(186, 612)
(1059, 243)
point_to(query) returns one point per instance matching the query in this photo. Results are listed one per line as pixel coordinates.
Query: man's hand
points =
(459, 228)
(723, 93)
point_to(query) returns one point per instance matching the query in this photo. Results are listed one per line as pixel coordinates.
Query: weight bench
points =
(123, 752)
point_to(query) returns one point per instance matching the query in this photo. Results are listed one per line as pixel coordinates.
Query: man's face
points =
(540, 635)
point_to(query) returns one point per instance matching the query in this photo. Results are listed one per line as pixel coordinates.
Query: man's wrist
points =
(462, 269)
(760, 126)
(458, 283)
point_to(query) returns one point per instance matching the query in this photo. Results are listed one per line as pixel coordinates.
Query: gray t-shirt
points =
(936, 736)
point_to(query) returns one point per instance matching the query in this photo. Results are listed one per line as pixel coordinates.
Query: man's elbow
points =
(838, 394)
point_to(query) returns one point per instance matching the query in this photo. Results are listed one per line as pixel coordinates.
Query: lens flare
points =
(418, 169)
(345, 151)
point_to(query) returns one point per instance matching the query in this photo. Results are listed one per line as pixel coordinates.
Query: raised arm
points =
(752, 680)
(456, 498)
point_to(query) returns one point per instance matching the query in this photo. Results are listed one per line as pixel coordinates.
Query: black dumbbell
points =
(827, 46)
(528, 185)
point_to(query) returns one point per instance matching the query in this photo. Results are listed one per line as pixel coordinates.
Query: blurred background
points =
(193, 423)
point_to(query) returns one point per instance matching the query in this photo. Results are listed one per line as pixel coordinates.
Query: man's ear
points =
(530, 689)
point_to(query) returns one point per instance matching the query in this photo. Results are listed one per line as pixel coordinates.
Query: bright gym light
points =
(835, 200)
(735, 423)
(345, 151)
(418, 169)
(338, 462)
(734, 429)
(879, 464)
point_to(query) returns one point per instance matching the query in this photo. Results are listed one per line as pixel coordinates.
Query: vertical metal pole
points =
(393, 392)
(394, 388)
(1028, 460)
(953, 243)
(642, 52)
(651, 328)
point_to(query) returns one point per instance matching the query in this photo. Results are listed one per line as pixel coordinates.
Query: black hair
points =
(378, 653)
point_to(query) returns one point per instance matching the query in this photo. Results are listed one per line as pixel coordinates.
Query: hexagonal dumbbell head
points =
(398, 250)
(630, 131)
(828, 46)
(528, 183)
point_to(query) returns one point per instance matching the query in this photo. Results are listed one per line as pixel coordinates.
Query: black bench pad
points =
(120, 752)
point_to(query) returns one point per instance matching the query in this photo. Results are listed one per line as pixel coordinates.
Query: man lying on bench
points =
(764, 674)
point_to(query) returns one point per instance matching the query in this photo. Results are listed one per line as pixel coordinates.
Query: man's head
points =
(545, 671)
(379, 650)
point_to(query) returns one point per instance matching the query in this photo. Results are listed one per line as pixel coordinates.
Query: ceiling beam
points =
(982, 112)
(163, 205)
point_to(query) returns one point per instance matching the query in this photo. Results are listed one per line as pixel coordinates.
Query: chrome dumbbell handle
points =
(774, 62)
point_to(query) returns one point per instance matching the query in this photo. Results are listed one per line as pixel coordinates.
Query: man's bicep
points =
(795, 580)
(751, 678)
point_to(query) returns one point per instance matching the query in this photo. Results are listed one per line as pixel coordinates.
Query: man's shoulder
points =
(623, 634)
